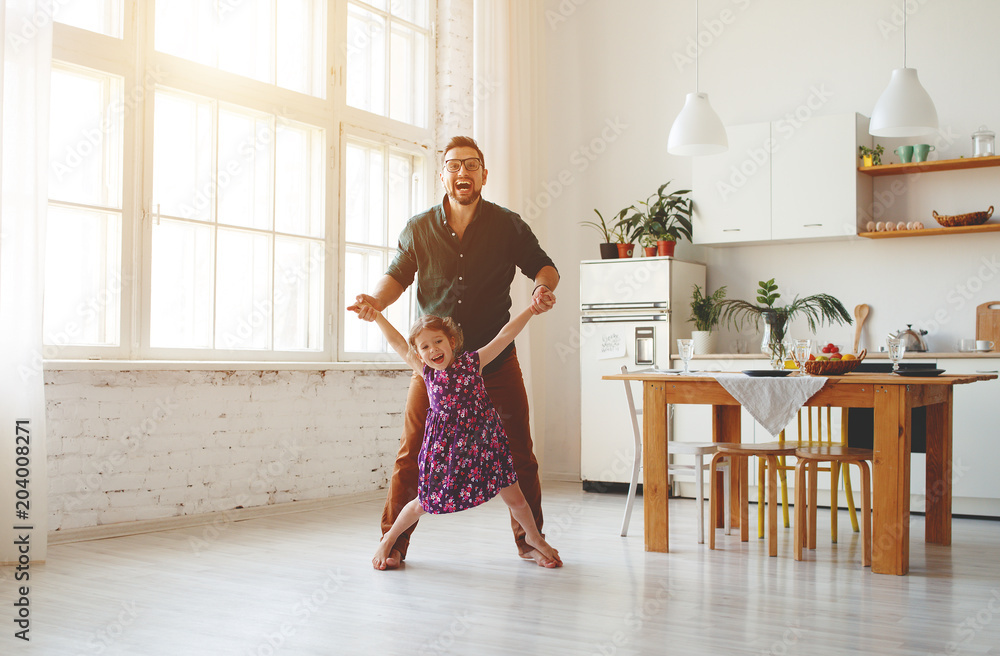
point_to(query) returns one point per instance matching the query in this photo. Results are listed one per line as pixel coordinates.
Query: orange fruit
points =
(848, 356)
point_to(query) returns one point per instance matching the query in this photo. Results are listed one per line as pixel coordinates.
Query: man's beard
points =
(469, 201)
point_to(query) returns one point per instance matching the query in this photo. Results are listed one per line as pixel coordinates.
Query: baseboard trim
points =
(561, 477)
(123, 529)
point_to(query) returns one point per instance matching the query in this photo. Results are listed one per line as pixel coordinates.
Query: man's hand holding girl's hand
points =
(542, 300)
(364, 305)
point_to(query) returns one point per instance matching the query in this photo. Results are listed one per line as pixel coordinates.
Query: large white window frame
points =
(143, 70)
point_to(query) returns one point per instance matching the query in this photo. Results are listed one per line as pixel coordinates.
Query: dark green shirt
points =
(468, 280)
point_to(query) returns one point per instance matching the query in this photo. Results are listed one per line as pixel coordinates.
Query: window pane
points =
(299, 180)
(186, 28)
(183, 184)
(244, 39)
(365, 60)
(85, 138)
(243, 297)
(414, 11)
(244, 182)
(298, 294)
(101, 16)
(301, 49)
(365, 218)
(82, 277)
(408, 81)
(403, 193)
(362, 269)
(181, 285)
(276, 43)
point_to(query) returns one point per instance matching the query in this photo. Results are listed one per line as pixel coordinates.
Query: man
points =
(463, 254)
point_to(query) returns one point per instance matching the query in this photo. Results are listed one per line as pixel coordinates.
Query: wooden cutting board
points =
(988, 322)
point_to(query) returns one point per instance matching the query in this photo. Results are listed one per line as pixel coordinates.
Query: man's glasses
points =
(455, 165)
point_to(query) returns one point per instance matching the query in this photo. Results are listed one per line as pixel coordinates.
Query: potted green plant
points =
(609, 249)
(817, 308)
(648, 242)
(668, 217)
(871, 156)
(627, 230)
(705, 312)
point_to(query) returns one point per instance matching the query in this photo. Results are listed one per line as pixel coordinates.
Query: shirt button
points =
(460, 301)
(461, 254)
(460, 277)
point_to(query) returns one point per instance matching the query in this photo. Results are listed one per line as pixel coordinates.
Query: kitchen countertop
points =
(910, 355)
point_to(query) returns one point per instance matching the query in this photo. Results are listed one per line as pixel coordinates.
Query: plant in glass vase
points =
(817, 309)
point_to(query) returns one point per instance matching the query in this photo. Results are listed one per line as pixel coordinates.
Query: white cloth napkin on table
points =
(771, 401)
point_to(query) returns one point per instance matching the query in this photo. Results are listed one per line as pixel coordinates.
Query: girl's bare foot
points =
(543, 553)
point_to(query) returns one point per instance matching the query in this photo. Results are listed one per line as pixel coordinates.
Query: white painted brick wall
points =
(138, 445)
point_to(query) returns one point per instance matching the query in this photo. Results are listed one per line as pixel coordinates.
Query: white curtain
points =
(24, 111)
(508, 94)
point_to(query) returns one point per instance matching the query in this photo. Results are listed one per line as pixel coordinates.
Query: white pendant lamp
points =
(697, 130)
(904, 109)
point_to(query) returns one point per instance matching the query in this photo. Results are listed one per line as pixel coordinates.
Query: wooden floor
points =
(303, 584)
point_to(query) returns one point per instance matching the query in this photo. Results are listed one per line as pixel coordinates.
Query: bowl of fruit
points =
(831, 362)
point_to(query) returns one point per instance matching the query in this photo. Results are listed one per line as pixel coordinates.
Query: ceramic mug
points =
(984, 345)
(920, 152)
(905, 154)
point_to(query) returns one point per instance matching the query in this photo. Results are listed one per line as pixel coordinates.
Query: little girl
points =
(464, 460)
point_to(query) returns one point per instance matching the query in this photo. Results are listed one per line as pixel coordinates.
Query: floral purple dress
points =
(464, 460)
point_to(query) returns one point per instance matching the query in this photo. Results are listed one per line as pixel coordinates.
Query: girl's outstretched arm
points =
(504, 337)
(393, 336)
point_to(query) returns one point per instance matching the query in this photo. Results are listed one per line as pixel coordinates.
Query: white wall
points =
(615, 87)
(145, 445)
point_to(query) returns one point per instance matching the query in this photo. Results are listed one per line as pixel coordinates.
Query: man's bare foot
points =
(386, 557)
(543, 554)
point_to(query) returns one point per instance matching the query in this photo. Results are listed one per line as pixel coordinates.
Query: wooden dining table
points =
(890, 396)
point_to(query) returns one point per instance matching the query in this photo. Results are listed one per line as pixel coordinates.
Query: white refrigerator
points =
(631, 313)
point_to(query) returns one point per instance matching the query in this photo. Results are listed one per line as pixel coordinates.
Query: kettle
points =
(913, 339)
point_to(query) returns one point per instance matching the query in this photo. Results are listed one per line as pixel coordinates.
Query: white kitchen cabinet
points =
(732, 190)
(975, 439)
(816, 190)
(783, 181)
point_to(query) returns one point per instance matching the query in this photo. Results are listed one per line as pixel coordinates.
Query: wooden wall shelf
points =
(927, 232)
(930, 167)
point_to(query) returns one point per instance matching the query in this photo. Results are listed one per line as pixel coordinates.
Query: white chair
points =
(697, 449)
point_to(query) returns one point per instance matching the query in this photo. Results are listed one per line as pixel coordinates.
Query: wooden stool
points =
(810, 457)
(741, 453)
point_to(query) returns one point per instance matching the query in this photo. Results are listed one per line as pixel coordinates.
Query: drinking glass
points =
(800, 353)
(896, 346)
(686, 348)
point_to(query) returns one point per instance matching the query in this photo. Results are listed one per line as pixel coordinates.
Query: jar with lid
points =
(982, 143)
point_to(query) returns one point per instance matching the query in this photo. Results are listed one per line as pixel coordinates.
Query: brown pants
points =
(506, 389)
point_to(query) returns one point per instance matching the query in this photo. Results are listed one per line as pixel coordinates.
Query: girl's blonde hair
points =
(445, 325)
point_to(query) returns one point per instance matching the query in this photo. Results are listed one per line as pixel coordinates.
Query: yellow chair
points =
(813, 439)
